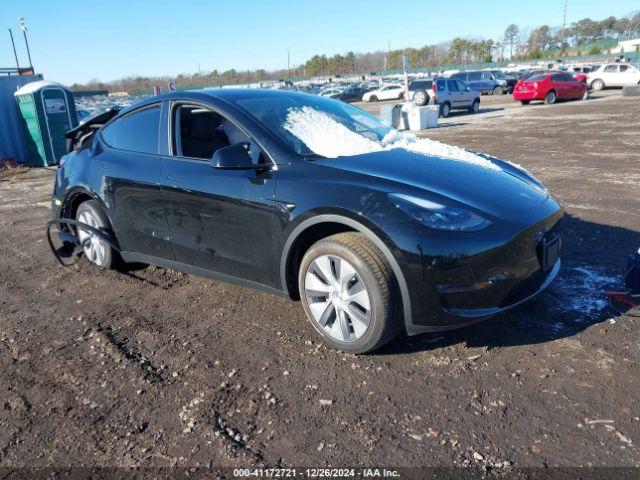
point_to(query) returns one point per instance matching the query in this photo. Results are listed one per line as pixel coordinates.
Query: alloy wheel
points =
(337, 298)
(95, 249)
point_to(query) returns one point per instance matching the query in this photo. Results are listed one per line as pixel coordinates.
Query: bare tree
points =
(510, 37)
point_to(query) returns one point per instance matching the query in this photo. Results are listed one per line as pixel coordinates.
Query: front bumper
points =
(458, 280)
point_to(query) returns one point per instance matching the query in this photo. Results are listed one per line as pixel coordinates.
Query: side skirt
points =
(131, 257)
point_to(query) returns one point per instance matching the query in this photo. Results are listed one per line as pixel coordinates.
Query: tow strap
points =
(70, 241)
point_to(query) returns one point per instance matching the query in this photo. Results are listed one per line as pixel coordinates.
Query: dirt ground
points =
(157, 368)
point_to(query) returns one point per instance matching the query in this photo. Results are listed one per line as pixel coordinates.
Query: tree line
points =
(516, 43)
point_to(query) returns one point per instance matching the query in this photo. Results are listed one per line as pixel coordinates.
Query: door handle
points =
(173, 179)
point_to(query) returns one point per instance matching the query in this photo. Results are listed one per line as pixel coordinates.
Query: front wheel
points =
(475, 106)
(498, 91)
(551, 98)
(445, 110)
(525, 102)
(597, 84)
(349, 293)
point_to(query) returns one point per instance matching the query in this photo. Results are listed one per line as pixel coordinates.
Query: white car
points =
(385, 92)
(613, 75)
(331, 92)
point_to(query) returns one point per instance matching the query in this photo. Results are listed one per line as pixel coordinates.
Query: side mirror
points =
(233, 157)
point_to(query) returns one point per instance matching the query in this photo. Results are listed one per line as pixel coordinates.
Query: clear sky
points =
(75, 41)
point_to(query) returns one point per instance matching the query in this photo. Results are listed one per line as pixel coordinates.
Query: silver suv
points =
(454, 94)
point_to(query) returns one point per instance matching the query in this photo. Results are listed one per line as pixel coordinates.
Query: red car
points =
(550, 87)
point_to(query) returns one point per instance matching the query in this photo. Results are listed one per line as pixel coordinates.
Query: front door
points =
(220, 220)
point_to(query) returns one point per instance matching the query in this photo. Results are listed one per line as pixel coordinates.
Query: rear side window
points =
(440, 85)
(624, 68)
(611, 68)
(136, 132)
(459, 75)
(474, 76)
(452, 85)
(537, 78)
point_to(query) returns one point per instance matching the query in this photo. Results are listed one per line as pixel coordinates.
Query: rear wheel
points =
(445, 110)
(94, 248)
(348, 292)
(525, 102)
(420, 98)
(475, 106)
(585, 95)
(498, 91)
(597, 84)
(373, 98)
(551, 98)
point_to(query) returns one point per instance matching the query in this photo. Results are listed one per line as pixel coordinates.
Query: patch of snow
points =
(325, 136)
(582, 289)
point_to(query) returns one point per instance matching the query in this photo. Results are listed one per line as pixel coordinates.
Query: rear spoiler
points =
(77, 138)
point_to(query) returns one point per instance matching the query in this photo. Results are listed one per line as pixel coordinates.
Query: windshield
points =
(292, 118)
(499, 74)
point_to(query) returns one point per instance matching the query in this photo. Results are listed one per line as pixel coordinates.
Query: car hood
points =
(496, 191)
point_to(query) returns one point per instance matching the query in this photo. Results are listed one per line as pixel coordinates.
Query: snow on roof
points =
(33, 86)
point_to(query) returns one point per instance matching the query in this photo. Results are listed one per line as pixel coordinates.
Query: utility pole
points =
(23, 27)
(288, 65)
(14, 49)
(564, 24)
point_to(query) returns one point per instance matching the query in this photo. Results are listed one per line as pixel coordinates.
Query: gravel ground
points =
(157, 368)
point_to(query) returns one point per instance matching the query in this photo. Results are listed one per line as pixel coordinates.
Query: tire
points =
(525, 102)
(597, 84)
(445, 110)
(551, 98)
(475, 106)
(420, 98)
(585, 95)
(343, 263)
(97, 251)
(498, 91)
(373, 98)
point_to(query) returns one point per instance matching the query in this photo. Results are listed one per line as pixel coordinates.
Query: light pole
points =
(23, 27)
(14, 49)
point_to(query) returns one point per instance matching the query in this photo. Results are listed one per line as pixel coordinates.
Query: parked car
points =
(613, 75)
(352, 94)
(580, 72)
(550, 87)
(331, 92)
(454, 94)
(482, 81)
(419, 91)
(218, 183)
(510, 80)
(389, 91)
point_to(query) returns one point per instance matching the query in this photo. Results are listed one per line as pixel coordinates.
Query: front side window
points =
(611, 68)
(199, 132)
(136, 132)
(461, 86)
(624, 68)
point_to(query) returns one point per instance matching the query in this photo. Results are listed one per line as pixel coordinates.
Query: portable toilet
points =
(47, 110)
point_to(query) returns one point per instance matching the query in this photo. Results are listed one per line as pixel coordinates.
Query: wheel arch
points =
(313, 229)
(76, 196)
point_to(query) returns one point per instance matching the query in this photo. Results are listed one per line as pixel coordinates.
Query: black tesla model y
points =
(373, 230)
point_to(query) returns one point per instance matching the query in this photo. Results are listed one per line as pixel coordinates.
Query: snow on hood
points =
(326, 137)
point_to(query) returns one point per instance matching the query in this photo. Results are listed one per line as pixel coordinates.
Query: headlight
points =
(437, 216)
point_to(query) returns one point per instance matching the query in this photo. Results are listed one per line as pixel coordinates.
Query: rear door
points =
(560, 86)
(466, 95)
(127, 167)
(453, 93)
(610, 75)
(220, 220)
